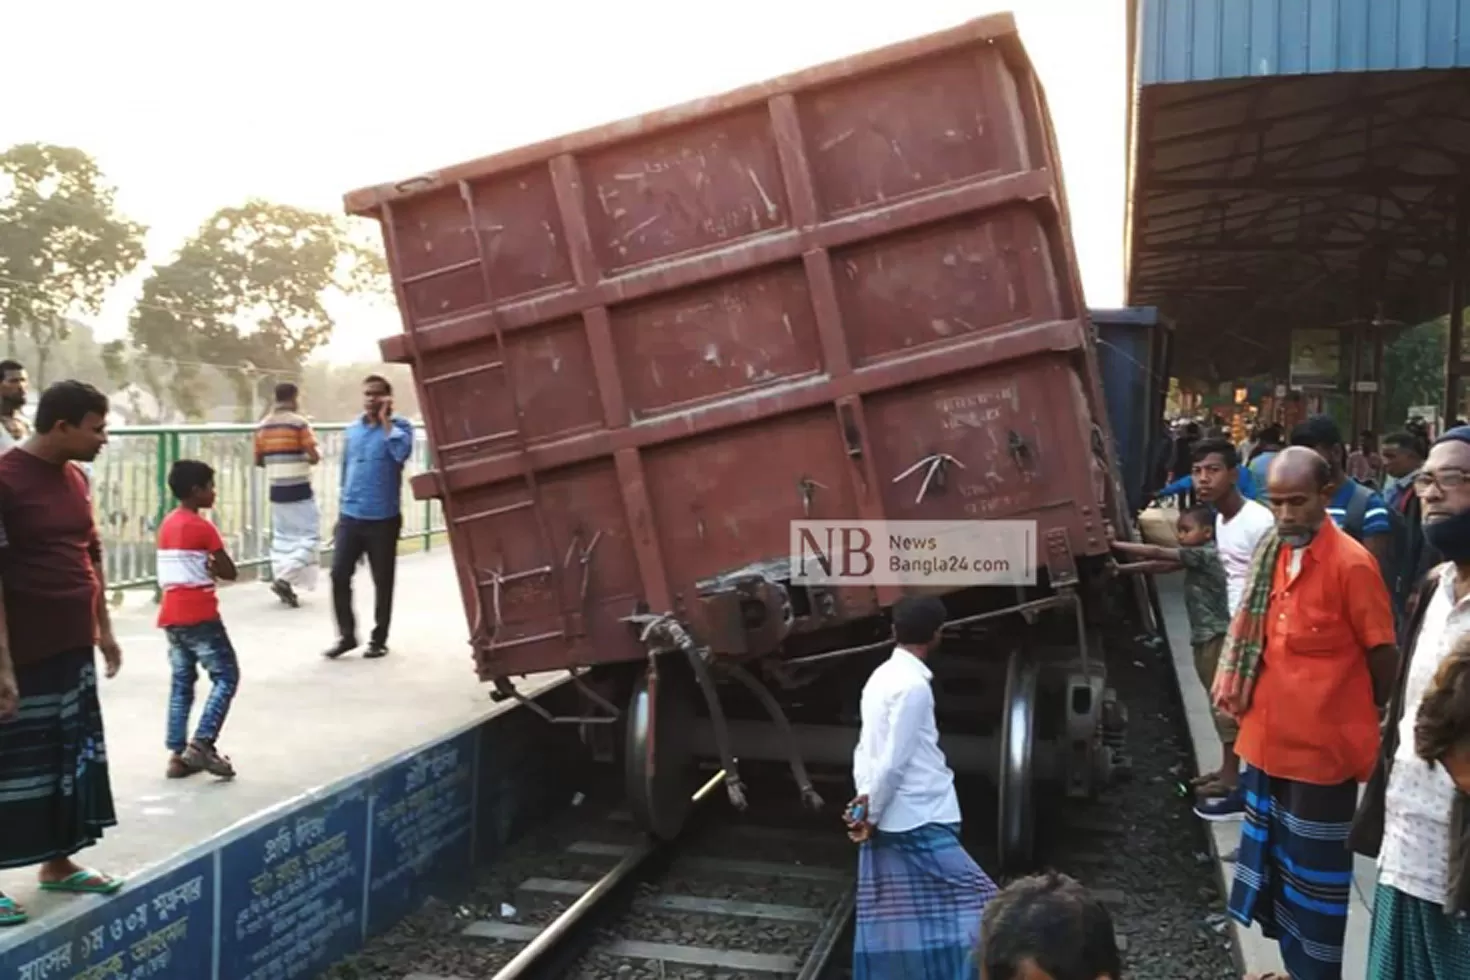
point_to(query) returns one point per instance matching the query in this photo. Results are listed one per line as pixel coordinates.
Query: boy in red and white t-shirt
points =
(191, 555)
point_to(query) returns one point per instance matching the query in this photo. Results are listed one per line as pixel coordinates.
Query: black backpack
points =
(1398, 530)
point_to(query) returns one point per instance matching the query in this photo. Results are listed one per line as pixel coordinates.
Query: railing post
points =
(166, 453)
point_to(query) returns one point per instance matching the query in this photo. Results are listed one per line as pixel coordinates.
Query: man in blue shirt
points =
(1245, 482)
(1366, 520)
(376, 446)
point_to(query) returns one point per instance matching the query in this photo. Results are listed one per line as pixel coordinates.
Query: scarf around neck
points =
(1245, 641)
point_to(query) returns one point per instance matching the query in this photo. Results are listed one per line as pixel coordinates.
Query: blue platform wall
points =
(290, 892)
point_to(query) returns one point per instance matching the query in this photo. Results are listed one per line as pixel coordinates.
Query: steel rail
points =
(569, 935)
(833, 930)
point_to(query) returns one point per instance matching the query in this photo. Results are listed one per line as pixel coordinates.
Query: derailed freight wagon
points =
(645, 349)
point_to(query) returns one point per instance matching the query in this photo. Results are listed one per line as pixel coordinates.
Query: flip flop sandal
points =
(86, 882)
(11, 914)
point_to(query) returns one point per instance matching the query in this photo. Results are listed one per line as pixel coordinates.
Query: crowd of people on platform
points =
(1328, 596)
(55, 789)
(1337, 657)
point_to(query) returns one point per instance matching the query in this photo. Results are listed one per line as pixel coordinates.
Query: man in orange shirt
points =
(1306, 668)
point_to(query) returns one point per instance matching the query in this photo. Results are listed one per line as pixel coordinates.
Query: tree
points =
(247, 294)
(1413, 370)
(63, 244)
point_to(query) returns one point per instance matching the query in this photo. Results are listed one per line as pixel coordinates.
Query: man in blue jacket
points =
(377, 445)
(1245, 482)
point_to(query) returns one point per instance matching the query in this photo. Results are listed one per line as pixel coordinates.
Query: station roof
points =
(1294, 163)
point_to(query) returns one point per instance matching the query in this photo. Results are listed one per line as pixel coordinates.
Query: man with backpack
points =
(1356, 508)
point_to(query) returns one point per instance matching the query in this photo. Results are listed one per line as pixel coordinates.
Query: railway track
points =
(698, 907)
(774, 883)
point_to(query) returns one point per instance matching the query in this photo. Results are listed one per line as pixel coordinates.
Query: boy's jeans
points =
(204, 645)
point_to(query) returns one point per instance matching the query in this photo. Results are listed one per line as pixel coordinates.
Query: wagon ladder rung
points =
(445, 270)
(482, 515)
(500, 436)
(522, 641)
(510, 577)
(518, 435)
(464, 372)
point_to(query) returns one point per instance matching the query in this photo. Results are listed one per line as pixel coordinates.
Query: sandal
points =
(84, 882)
(203, 755)
(180, 769)
(11, 913)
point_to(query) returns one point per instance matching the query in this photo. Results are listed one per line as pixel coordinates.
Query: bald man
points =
(1306, 669)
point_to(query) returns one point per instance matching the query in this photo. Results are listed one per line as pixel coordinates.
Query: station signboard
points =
(1316, 358)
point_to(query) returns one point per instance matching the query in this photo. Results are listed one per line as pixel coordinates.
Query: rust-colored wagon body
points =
(644, 349)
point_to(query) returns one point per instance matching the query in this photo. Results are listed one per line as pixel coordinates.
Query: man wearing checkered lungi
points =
(919, 896)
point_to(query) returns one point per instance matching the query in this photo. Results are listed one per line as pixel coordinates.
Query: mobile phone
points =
(857, 812)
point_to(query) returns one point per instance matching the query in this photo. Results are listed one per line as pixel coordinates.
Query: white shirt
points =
(1416, 832)
(1236, 540)
(8, 441)
(897, 762)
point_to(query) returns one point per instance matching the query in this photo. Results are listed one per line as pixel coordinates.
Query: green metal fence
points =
(131, 496)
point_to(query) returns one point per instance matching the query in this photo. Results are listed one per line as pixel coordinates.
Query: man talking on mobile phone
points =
(920, 896)
(376, 446)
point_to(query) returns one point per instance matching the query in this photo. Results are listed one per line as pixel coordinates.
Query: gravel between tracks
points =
(1155, 859)
(1138, 846)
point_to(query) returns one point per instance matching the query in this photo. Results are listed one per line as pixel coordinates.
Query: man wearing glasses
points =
(1412, 818)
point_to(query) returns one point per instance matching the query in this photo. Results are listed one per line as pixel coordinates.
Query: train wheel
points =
(1018, 742)
(659, 764)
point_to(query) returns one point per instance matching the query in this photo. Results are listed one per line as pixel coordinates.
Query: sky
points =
(189, 106)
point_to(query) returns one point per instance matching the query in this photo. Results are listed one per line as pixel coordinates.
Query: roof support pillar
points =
(1375, 419)
(1454, 366)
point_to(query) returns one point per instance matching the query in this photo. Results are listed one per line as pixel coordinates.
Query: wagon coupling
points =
(660, 763)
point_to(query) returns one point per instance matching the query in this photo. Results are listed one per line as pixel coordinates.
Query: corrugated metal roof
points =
(1207, 40)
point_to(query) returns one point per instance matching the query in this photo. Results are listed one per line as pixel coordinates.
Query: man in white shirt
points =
(13, 382)
(1412, 817)
(920, 897)
(1240, 524)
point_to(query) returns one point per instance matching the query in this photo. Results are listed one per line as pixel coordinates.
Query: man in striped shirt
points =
(286, 447)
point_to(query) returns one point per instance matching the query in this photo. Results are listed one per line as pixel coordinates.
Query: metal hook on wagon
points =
(494, 582)
(936, 463)
(478, 636)
(808, 488)
(585, 558)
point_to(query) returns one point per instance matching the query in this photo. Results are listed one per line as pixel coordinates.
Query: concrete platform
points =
(1257, 953)
(302, 729)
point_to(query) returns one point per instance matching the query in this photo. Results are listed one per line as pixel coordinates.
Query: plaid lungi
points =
(55, 795)
(919, 902)
(1414, 939)
(1294, 874)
